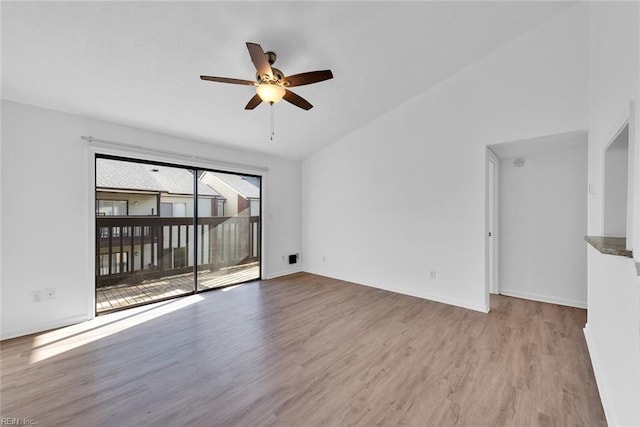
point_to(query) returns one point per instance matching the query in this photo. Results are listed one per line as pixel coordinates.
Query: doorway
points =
(537, 215)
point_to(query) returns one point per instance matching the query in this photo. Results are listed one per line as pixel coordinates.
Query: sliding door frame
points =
(95, 153)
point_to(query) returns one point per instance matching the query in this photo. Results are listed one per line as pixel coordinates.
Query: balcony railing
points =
(135, 249)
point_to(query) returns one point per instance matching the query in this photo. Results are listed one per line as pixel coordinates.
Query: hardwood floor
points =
(306, 350)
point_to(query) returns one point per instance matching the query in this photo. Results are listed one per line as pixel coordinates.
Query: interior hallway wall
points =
(543, 221)
(613, 312)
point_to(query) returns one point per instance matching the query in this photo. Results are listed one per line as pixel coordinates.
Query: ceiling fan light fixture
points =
(271, 84)
(270, 93)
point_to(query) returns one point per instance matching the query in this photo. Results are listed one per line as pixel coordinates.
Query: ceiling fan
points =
(271, 83)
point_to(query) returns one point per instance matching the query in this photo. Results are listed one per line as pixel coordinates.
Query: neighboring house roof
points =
(178, 181)
(240, 185)
(125, 175)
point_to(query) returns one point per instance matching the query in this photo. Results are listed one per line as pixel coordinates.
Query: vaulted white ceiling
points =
(138, 63)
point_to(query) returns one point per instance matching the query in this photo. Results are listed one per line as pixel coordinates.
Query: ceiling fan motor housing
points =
(278, 76)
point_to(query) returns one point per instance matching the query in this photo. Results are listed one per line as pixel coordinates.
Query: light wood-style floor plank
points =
(306, 350)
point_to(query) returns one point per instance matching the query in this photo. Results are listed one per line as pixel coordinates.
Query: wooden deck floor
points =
(305, 350)
(124, 295)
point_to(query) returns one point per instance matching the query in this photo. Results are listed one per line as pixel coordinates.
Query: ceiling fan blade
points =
(297, 100)
(229, 80)
(259, 60)
(308, 78)
(253, 102)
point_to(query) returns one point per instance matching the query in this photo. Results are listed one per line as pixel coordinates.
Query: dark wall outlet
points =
(293, 259)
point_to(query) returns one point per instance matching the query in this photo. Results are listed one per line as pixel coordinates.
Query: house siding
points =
(147, 204)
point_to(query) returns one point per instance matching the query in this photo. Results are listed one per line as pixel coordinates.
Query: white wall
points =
(616, 174)
(44, 163)
(613, 311)
(612, 335)
(543, 221)
(405, 194)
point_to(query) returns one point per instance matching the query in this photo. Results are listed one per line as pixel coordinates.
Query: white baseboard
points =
(281, 274)
(411, 292)
(597, 372)
(58, 323)
(543, 298)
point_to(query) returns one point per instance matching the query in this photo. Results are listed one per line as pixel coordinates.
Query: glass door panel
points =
(228, 226)
(144, 226)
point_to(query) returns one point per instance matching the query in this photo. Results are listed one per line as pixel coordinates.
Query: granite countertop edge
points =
(610, 245)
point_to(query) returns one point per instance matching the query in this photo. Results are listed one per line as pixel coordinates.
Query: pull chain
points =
(273, 132)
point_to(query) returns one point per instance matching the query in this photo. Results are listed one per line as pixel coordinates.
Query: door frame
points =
(492, 222)
(95, 152)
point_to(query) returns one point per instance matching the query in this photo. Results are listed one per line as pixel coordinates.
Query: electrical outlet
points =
(50, 293)
(324, 258)
(36, 296)
(433, 274)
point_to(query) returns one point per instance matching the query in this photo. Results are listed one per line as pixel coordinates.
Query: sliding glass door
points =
(165, 230)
